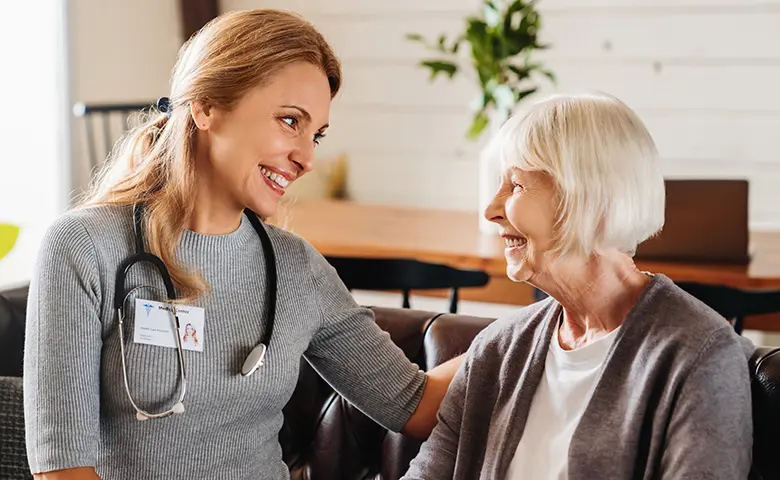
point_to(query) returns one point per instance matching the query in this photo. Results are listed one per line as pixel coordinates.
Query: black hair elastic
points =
(164, 105)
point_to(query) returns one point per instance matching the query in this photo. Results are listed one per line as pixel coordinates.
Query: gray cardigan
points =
(673, 400)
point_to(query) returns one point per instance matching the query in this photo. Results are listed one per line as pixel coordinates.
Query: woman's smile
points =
(276, 179)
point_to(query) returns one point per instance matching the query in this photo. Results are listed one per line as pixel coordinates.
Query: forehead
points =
(300, 84)
(530, 177)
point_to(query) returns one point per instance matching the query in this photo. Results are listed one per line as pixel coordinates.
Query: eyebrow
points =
(305, 114)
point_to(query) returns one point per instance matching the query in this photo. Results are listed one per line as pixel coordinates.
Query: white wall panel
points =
(703, 74)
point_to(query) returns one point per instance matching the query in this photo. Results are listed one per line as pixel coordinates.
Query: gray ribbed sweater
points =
(77, 412)
(673, 399)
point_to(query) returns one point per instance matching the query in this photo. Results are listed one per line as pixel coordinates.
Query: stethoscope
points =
(256, 357)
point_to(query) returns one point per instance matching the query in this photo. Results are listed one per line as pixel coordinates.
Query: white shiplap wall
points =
(119, 52)
(703, 74)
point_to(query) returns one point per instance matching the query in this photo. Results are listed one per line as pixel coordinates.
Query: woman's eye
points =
(318, 138)
(516, 187)
(290, 121)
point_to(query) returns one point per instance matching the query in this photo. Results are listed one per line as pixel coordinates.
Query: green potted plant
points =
(502, 43)
(8, 236)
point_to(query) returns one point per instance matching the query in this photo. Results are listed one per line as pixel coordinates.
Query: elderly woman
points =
(619, 374)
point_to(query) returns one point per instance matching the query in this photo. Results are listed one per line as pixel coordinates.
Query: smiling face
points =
(255, 150)
(525, 209)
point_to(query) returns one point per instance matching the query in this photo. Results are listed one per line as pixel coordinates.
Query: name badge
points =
(156, 325)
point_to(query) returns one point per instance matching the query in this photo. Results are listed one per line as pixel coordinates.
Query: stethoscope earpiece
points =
(177, 408)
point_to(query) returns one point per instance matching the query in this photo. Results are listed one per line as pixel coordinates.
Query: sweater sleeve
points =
(62, 351)
(711, 429)
(357, 358)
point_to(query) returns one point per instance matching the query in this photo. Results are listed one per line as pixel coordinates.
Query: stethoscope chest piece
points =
(253, 360)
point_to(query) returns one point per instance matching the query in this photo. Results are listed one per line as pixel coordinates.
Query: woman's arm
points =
(710, 434)
(81, 473)
(62, 354)
(436, 458)
(424, 418)
(364, 365)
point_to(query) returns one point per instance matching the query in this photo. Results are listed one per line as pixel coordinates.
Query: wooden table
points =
(452, 237)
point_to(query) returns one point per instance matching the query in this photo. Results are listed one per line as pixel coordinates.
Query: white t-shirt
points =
(570, 377)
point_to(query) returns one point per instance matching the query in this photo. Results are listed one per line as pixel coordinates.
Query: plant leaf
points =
(415, 37)
(521, 73)
(8, 236)
(440, 66)
(521, 24)
(519, 95)
(477, 36)
(440, 42)
(457, 43)
(501, 45)
(478, 125)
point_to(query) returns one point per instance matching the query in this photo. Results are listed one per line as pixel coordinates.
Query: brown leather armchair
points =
(324, 437)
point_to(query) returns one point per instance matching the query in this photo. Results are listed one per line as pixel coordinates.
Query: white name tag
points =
(155, 325)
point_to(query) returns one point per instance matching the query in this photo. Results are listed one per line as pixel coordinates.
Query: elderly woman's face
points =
(524, 208)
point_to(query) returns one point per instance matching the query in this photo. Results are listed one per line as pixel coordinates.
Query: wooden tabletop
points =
(452, 237)
(343, 228)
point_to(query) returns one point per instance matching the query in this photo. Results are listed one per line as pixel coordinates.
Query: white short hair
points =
(604, 163)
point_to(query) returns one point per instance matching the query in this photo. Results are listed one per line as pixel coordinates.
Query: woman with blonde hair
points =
(110, 390)
(190, 334)
(619, 374)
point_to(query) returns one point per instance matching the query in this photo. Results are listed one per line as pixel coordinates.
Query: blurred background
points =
(702, 74)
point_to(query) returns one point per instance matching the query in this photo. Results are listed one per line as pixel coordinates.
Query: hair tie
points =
(164, 105)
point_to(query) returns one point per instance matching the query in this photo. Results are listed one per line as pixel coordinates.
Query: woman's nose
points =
(494, 212)
(303, 156)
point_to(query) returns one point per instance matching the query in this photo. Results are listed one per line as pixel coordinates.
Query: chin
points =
(263, 207)
(518, 273)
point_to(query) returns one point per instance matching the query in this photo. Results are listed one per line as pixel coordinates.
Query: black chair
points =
(405, 275)
(733, 303)
(104, 124)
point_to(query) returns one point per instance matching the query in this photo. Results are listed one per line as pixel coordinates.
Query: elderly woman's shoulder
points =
(666, 304)
(508, 329)
(671, 313)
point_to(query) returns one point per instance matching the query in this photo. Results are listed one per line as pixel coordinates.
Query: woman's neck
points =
(210, 218)
(214, 212)
(596, 296)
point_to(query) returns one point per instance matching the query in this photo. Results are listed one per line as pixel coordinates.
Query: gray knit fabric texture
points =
(77, 411)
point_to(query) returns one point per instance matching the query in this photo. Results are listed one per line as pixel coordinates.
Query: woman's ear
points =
(201, 114)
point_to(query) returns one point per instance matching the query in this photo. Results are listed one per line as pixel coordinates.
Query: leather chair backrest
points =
(765, 373)
(13, 305)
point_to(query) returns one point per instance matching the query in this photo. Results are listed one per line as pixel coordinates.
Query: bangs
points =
(518, 144)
